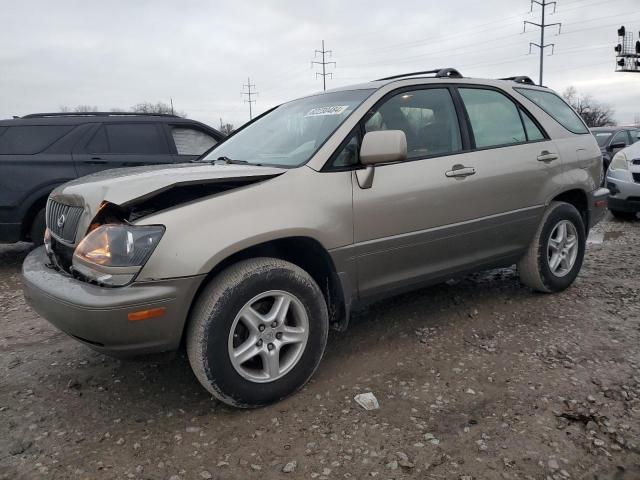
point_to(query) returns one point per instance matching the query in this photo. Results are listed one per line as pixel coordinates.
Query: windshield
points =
(602, 137)
(290, 135)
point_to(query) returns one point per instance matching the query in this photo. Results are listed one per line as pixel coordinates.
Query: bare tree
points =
(594, 113)
(86, 108)
(160, 107)
(227, 128)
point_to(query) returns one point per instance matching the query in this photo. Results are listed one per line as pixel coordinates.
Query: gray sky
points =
(118, 53)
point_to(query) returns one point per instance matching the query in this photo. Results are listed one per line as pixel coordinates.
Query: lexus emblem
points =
(61, 220)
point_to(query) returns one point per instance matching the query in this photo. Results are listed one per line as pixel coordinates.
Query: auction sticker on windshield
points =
(320, 111)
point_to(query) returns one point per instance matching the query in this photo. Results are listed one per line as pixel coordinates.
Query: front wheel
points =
(257, 332)
(555, 255)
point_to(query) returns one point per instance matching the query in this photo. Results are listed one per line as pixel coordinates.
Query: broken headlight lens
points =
(113, 254)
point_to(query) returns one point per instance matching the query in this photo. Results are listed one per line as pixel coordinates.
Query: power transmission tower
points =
(249, 94)
(542, 26)
(324, 64)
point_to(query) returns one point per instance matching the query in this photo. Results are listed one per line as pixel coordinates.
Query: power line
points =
(542, 26)
(324, 63)
(249, 93)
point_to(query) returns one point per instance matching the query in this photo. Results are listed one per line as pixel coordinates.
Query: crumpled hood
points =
(122, 185)
(172, 184)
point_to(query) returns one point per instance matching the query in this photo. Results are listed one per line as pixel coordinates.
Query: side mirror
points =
(383, 146)
(617, 146)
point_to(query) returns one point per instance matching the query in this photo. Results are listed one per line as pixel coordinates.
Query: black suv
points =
(41, 151)
(612, 139)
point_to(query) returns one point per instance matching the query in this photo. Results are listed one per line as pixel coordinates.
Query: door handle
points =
(95, 161)
(460, 171)
(546, 156)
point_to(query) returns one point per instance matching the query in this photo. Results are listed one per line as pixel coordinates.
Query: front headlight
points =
(619, 162)
(114, 254)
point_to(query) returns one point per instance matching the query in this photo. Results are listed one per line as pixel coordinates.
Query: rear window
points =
(557, 108)
(191, 142)
(30, 139)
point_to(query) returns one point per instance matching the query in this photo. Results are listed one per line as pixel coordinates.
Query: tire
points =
(210, 343)
(535, 269)
(38, 226)
(620, 215)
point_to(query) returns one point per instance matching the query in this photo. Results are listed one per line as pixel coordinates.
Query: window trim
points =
(550, 92)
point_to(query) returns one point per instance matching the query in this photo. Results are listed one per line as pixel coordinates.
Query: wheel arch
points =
(305, 252)
(578, 198)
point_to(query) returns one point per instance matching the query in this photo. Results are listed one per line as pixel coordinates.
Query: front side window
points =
(557, 108)
(427, 118)
(292, 133)
(635, 135)
(132, 138)
(31, 139)
(620, 137)
(190, 141)
(494, 118)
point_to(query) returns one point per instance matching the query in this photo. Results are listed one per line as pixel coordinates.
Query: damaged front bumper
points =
(100, 317)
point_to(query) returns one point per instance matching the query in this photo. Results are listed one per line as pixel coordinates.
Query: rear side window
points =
(494, 118)
(190, 141)
(27, 140)
(557, 108)
(131, 138)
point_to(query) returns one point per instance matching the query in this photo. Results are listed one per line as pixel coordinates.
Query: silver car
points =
(321, 204)
(623, 181)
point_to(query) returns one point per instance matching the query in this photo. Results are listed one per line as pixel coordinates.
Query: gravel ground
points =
(476, 378)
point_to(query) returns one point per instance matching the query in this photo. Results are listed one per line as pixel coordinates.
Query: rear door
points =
(123, 144)
(190, 141)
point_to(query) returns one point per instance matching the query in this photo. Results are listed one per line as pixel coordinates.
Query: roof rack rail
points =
(520, 79)
(95, 114)
(439, 73)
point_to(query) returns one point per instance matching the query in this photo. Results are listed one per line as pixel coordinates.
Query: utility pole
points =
(249, 93)
(171, 100)
(542, 26)
(324, 63)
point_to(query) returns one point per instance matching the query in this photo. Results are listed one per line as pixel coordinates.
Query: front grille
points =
(62, 220)
(636, 177)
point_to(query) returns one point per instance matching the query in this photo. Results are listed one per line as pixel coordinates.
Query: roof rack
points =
(520, 79)
(439, 73)
(95, 114)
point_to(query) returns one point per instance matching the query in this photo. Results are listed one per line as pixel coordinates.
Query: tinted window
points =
(427, 117)
(533, 132)
(191, 142)
(27, 140)
(494, 118)
(557, 108)
(635, 135)
(98, 144)
(135, 138)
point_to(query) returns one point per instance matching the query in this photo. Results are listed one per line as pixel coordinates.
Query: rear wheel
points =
(257, 332)
(555, 255)
(38, 226)
(624, 215)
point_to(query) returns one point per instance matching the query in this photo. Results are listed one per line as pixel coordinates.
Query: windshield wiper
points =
(231, 161)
